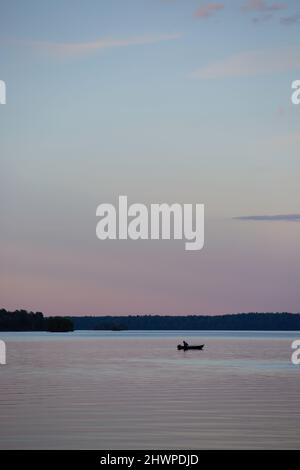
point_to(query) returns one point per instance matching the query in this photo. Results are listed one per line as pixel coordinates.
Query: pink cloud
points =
(208, 10)
(252, 63)
(262, 5)
(83, 48)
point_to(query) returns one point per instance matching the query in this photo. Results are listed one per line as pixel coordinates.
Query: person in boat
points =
(185, 345)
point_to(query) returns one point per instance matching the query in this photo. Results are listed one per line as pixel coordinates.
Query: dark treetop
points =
(21, 320)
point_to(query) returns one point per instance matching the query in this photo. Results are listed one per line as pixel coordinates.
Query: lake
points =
(134, 390)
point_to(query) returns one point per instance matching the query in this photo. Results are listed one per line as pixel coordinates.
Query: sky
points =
(163, 101)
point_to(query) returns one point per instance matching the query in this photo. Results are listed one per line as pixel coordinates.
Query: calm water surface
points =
(108, 390)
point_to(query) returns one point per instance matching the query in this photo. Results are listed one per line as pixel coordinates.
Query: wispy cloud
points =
(78, 49)
(262, 18)
(208, 10)
(290, 20)
(252, 63)
(262, 5)
(271, 218)
(264, 10)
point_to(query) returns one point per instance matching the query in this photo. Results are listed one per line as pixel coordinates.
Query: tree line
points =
(21, 320)
(239, 321)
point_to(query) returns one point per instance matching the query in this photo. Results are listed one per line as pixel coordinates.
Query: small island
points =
(59, 324)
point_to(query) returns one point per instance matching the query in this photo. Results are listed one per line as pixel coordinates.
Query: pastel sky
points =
(164, 101)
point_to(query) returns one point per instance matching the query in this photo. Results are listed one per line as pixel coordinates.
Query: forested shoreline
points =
(239, 321)
(22, 320)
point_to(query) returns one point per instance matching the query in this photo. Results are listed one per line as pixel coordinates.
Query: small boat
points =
(186, 348)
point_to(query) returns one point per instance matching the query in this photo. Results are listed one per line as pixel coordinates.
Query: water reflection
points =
(135, 390)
